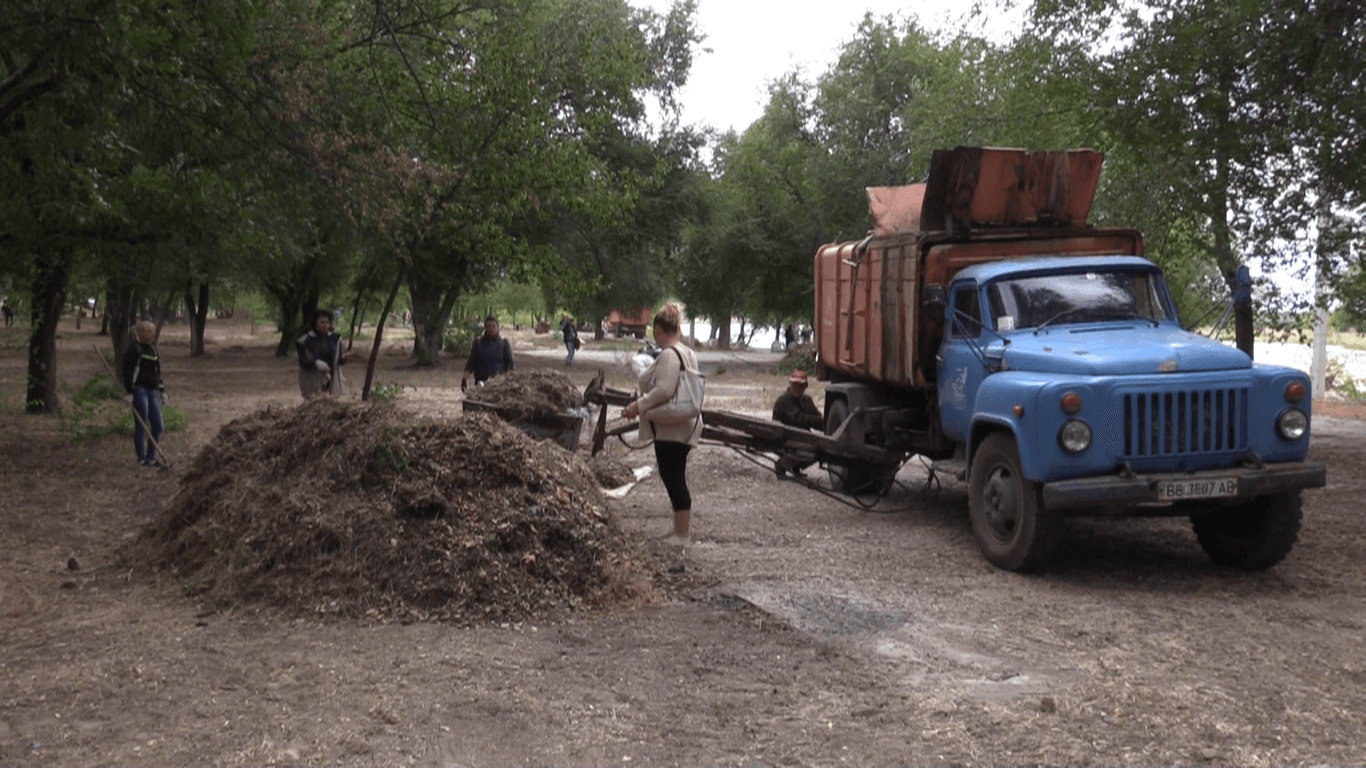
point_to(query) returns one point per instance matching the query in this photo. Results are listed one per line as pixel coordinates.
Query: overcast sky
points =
(755, 41)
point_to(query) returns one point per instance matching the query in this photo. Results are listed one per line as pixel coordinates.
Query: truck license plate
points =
(1208, 488)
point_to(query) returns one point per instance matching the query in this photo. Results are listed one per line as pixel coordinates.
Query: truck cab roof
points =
(984, 273)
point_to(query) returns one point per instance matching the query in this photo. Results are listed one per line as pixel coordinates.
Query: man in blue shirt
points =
(490, 355)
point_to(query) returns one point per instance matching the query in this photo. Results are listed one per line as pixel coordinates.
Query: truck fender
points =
(994, 411)
(857, 395)
(984, 425)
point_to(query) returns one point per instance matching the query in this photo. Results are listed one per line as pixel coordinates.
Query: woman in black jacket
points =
(142, 380)
(321, 358)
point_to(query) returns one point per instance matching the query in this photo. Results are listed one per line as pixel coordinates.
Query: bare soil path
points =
(798, 630)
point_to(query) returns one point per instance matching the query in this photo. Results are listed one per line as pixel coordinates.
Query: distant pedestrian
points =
(571, 338)
(321, 358)
(789, 336)
(490, 355)
(8, 312)
(146, 392)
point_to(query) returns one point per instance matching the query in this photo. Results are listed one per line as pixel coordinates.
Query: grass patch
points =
(1346, 340)
(97, 409)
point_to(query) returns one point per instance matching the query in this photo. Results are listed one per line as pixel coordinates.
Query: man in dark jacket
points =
(795, 408)
(142, 381)
(490, 355)
(571, 338)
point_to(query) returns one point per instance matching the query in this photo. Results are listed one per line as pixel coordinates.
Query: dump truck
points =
(985, 325)
(633, 322)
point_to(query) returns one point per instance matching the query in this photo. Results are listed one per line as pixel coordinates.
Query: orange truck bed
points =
(978, 205)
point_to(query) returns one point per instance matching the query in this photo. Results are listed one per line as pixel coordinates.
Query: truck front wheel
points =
(1252, 536)
(1012, 527)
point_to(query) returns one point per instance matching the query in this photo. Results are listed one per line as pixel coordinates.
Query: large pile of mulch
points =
(366, 511)
(611, 472)
(527, 394)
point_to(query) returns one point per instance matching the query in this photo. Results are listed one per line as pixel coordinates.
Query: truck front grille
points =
(1185, 423)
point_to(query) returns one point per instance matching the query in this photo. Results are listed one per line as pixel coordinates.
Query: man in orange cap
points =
(795, 408)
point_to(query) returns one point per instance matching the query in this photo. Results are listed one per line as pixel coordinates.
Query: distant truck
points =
(985, 325)
(634, 322)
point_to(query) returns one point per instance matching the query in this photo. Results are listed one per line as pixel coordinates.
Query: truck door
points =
(960, 364)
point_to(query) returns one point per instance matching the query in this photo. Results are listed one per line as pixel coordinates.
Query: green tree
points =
(1244, 114)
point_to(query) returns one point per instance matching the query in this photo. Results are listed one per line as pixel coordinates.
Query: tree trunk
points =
(1224, 256)
(379, 331)
(289, 327)
(310, 305)
(198, 315)
(428, 325)
(723, 333)
(298, 298)
(46, 301)
(119, 314)
(356, 321)
(163, 311)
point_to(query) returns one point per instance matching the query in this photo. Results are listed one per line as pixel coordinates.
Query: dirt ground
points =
(798, 630)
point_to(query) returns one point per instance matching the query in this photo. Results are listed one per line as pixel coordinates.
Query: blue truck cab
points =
(984, 325)
(1075, 390)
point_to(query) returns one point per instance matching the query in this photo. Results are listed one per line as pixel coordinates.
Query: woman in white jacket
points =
(673, 442)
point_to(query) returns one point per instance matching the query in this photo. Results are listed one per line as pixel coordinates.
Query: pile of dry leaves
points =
(368, 511)
(527, 394)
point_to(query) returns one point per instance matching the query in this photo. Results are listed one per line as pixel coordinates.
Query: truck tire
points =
(857, 477)
(1010, 523)
(1252, 536)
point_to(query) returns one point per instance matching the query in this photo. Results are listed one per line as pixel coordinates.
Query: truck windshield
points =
(1083, 297)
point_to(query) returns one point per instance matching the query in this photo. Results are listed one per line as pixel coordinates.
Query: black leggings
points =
(673, 470)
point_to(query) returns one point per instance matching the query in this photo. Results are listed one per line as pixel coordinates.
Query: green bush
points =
(99, 388)
(806, 361)
(386, 391)
(459, 338)
(97, 409)
(1342, 381)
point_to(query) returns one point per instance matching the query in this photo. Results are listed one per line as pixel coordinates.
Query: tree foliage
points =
(1236, 116)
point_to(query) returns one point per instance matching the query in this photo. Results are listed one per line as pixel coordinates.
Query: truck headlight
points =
(1075, 436)
(1292, 424)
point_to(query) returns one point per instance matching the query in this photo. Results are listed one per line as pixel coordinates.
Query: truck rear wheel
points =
(855, 477)
(1010, 523)
(1252, 536)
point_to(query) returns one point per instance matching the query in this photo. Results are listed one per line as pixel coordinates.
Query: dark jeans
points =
(673, 470)
(147, 405)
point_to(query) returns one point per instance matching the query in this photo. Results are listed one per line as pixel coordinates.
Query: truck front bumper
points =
(1115, 493)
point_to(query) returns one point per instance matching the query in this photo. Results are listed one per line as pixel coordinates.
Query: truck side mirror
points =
(1242, 286)
(936, 301)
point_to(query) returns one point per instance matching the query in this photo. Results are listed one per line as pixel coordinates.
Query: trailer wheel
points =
(1252, 536)
(1010, 523)
(853, 477)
